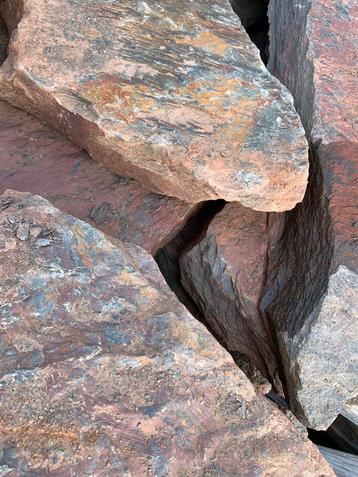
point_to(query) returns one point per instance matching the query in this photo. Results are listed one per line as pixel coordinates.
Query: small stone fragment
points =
(23, 231)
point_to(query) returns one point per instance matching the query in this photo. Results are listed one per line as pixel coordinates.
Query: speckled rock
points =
(173, 94)
(312, 293)
(34, 158)
(225, 273)
(104, 373)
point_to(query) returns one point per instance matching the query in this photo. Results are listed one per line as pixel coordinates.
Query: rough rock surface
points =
(105, 373)
(173, 94)
(224, 273)
(36, 159)
(312, 293)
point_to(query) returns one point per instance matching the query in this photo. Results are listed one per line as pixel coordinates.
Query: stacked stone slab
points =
(312, 291)
(105, 373)
(34, 158)
(173, 94)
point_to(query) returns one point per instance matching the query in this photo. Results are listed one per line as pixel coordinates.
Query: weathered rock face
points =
(34, 158)
(312, 292)
(105, 373)
(225, 272)
(172, 94)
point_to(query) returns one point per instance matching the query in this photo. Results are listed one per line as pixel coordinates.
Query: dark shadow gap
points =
(4, 41)
(254, 18)
(167, 257)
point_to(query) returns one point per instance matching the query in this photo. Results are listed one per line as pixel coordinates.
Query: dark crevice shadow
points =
(254, 18)
(167, 257)
(4, 41)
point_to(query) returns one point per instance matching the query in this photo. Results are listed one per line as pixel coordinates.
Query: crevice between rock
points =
(4, 41)
(253, 16)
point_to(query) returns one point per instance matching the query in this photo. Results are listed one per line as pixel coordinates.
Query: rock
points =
(173, 94)
(344, 464)
(312, 290)
(224, 272)
(105, 373)
(34, 158)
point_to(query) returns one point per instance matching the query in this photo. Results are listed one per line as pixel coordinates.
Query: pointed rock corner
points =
(172, 93)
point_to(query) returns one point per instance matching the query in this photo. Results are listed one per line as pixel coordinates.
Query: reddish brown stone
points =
(104, 373)
(225, 274)
(172, 94)
(34, 158)
(312, 292)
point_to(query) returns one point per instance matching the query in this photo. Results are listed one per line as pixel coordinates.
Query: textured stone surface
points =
(34, 158)
(173, 94)
(105, 373)
(224, 273)
(312, 291)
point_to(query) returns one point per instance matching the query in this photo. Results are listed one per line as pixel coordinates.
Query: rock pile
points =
(120, 122)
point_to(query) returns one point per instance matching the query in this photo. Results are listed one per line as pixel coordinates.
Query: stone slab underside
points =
(35, 158)
(103, 372)
(173, 94)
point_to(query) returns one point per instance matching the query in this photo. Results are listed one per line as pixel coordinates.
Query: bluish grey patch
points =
(114, 337)
(149, 411)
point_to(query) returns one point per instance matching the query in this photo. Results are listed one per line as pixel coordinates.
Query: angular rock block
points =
(225, 273)
(312, 291)
(34, 158)
(172, 93)
(103, 372)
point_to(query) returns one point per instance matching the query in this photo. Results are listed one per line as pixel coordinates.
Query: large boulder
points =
(312, 290)
(103, 372)
(224, 272)
(34, 158)
(173, 94)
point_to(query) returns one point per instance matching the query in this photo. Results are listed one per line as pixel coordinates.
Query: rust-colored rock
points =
(173, 94)
(34, 158)
(104, 373)
(312, 292)
(225, 273)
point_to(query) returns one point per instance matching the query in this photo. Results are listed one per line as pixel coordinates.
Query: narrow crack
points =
(4, 41)
(253, 16)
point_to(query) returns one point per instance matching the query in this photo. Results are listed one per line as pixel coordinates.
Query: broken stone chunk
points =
(23, 231)
(225, 273)
(103, 370)
(33, 157)
(173, 94)
(312, 289)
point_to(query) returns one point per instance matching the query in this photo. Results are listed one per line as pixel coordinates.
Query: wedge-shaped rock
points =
(105, 373)
(34, 158)
(312, 294)
(225, 273)
(172, 93)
